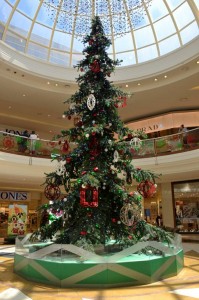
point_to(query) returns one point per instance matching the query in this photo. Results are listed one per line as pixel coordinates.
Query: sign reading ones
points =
(13, 196)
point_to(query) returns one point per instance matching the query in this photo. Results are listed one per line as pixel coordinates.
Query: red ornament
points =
(68, 159)
(8, 142)
(91, 42)
(95, 67)
(96, 169)
(65, 147)
(147, 189)
(52, 192)
(113, 220)
(86, 193)
(84, 172)
(83, 232)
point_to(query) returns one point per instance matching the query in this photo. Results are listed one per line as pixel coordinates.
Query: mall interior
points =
(157, 42)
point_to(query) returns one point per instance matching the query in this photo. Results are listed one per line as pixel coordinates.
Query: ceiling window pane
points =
(15, 41)
(124, 43)
(61, 41)
(5, 11)
(196, 3)
(44, 16)
(174, 3)
(169, 44)
(41, 34)
(183, 15)
(77, 46)
(144, 37)
(189, 33)
(28, 7)
(76, 59)
(164, 28)
(147, 53)
(60, 58)
(127, 58)
(157, 10)
(37, 51)
(20, 24)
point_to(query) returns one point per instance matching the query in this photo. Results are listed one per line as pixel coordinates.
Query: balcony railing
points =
(165, 145)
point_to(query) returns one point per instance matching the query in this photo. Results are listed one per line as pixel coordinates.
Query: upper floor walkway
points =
(166, 145)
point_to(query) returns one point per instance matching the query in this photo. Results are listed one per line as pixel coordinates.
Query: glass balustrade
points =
(165, 145)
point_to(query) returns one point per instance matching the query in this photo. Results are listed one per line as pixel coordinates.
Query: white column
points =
(167, 205)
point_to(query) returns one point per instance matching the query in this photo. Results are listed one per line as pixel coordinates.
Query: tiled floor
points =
(185, 286)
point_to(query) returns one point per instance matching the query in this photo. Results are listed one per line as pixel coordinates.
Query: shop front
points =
(186, 206)
(18, 215)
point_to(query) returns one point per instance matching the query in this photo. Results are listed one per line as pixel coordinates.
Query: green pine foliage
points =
(98, 163)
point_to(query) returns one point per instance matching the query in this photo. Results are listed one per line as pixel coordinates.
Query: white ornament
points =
(60, 169)
(91, 101)
(115, 156)
(72, 106)
(129, 214)
(135, 142)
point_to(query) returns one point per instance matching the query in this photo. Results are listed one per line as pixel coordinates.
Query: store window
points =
(186, 205)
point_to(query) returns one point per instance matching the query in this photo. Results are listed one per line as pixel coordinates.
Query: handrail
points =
(175, 143)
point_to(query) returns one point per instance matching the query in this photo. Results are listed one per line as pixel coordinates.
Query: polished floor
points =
(185, 286)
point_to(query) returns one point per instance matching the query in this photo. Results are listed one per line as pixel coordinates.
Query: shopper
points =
(183, 131)
(33, 140)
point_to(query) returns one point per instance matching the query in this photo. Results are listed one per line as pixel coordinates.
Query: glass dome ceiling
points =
(52, 30)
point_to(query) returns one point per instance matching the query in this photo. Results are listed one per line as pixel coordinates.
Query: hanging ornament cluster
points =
(89, 196)
(52, 192)
(129, 214)
(147, 189)
(91, 101)
(95, 66)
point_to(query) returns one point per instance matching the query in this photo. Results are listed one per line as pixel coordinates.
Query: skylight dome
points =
(51, 32)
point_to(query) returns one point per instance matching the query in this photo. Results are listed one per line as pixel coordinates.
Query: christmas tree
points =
(98, 207)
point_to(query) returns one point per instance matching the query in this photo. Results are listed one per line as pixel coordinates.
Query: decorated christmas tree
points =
(97, 208)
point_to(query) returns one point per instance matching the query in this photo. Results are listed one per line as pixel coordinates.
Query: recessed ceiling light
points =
(139, 83)
(48, 82)
(165, 76)
(49, 115)
(127, 85)
(197, 62)
(155, 79)
(56, 84)
(9, 107)
(24, 95)
(63, 116)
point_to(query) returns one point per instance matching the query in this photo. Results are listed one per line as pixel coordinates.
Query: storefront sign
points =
(14, 196)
